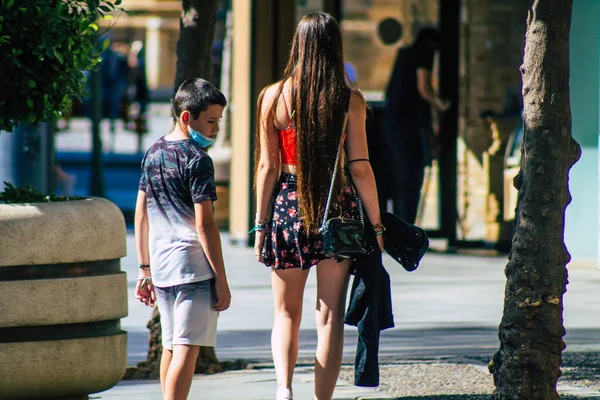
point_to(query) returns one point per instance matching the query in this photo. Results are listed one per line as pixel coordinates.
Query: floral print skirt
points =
(287, 245)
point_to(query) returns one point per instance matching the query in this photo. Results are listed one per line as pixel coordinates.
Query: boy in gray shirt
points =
(178, 244)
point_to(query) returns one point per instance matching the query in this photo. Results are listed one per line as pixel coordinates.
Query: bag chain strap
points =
(334, 175)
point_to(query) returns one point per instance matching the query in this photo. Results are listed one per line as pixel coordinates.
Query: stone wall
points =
(492, 40)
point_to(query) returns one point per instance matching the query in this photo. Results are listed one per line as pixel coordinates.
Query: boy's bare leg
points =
(332, 285)
(165, 361)
(181, 372)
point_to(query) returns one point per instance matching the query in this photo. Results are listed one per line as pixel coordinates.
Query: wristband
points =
(145, 281)
(143, 266)
(259, 227)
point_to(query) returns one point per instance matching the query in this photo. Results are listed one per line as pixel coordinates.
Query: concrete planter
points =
(62, 295)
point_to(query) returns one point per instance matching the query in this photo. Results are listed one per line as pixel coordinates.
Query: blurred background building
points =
(156, 24)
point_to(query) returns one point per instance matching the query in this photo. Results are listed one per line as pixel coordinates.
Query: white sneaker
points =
(284, 393)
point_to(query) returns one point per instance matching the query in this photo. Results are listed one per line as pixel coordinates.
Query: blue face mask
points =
(199, 138)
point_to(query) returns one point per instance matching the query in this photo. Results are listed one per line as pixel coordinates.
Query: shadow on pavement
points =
(576, 366)
(137, 342)
(581, 366)
(447, 397)
(470, 397)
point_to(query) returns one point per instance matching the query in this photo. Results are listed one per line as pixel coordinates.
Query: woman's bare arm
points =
(268, 165)
(361, 171)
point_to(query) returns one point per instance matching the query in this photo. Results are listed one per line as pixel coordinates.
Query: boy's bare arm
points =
(210, 239)
(144, 289)
(141, 229)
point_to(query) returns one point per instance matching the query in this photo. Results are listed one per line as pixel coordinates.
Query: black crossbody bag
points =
(343, 237)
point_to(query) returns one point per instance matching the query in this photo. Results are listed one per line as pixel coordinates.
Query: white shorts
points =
(187, 315)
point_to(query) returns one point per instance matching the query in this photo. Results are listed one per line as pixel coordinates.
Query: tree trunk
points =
(194, 60)
(196, 36)
(527, 366)
(207, 362)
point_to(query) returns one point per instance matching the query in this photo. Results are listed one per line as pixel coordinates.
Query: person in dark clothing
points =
(114, 71)
(408, 140)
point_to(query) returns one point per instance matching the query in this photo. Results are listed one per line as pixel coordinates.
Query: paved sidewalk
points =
(255, 384)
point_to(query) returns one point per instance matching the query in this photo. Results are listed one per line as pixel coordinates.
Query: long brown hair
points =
(319, 98)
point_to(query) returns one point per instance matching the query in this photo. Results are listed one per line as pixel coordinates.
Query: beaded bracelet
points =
(143, 266)
(379, 229)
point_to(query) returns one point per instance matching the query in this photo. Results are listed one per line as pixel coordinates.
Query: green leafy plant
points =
(45, 47)
(14, 195)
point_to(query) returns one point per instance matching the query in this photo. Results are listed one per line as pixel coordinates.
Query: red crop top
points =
(287, 140)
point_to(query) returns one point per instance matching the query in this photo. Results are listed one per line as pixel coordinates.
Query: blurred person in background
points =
(137, 94)
(409, 142)
(114, 71)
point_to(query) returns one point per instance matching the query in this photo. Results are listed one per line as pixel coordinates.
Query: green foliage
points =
(45, 45)
(14, 195)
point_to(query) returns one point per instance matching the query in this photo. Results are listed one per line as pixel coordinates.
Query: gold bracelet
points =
(379, 229)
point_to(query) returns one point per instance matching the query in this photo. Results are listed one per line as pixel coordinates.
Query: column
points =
(153, 55)
(241, 111)
(262, 31)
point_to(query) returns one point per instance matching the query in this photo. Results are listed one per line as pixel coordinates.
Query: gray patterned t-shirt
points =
(175, 175)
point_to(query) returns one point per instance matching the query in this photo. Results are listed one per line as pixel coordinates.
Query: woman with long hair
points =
(300, 122)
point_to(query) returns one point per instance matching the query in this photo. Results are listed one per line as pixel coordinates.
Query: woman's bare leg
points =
(288, 292)
(332, 286)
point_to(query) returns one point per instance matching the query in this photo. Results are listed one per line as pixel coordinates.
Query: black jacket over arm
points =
(370, 310)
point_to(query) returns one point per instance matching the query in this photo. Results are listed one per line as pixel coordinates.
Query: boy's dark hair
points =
(429, 35)
(196, 95)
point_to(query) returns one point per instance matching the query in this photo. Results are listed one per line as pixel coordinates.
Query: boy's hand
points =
(145, 294)
(223, 296)
(259, 240)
